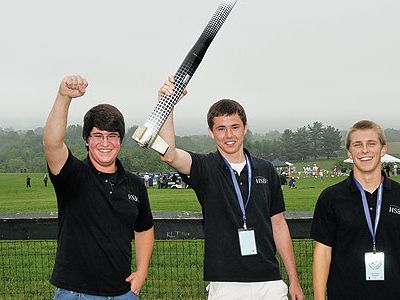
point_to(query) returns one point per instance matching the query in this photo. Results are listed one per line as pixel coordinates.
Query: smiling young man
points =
(101, 207)
(356, 228)
(242, 205)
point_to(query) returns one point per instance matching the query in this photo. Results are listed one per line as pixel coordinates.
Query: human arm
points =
(144, 242)
(284, 246)
(178, 159)
(55, 150)
(321, 265)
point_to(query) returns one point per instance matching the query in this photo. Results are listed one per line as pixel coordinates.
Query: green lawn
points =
(15, 197)
(306, 193)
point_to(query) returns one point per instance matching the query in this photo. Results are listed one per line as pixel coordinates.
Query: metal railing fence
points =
(27, 250)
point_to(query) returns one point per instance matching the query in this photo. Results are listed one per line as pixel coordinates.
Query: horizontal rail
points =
(167, 225)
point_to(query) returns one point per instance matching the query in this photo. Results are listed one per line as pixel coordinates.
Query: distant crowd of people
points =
(314, 171)
(391, 169)
(162, 180)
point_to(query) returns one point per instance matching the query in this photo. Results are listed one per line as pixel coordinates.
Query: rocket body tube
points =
(147, 135)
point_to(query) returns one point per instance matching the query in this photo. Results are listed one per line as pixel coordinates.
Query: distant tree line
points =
(311, 141)
(22, 151)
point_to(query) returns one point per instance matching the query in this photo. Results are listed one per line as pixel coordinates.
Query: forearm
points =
(144, 243)
(179, 159)
(54, 131)
(167, 133)
(55, 150)
(284, 247)
(321, 266)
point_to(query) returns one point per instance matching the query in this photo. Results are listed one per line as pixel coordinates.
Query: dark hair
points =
(366, 124)
(225, 107)
(104, 117)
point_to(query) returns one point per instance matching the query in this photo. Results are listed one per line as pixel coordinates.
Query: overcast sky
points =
(289, 62)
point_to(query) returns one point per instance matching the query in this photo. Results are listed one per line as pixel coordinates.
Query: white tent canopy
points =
(385, 159)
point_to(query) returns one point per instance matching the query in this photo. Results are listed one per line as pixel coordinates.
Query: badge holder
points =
(247, 241)
(375, 266)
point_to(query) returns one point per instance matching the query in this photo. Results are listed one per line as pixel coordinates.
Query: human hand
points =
(295, 291)
(136, 280)
(73, 86)
(168, 88)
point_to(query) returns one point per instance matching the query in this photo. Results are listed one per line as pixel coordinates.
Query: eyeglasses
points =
(112, 137)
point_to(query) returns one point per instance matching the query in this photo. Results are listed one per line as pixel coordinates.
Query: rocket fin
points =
(159, 145)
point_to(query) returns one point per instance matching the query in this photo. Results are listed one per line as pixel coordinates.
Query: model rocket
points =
(147, 134)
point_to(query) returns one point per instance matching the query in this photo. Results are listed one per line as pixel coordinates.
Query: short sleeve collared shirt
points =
(212, 182)
(339, 222)
(98, 214)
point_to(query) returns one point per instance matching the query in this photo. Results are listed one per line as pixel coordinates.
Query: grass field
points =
(15, 197)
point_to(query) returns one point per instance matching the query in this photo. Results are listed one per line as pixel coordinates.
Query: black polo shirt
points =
(339, 222)
(98, 214)
(211, 180)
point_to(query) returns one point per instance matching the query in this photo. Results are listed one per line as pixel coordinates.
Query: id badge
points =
(375, 266)
(247, 242)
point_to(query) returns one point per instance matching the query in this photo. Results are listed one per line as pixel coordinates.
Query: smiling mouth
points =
(104, 150)
(365, 158)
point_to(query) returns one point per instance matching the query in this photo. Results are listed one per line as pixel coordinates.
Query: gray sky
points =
(289, 63)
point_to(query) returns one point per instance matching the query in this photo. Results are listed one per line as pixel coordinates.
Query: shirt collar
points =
(387, 184)
(218, 156)
(120, 168)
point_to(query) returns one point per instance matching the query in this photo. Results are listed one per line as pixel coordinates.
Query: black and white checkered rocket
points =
(147, 134)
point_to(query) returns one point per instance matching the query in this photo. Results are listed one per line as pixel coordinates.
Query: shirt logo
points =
(133, 198)
(261, 180)
(394, 209)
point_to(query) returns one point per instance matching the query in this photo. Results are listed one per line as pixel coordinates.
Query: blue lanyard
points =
(237, 188)
(366, 210)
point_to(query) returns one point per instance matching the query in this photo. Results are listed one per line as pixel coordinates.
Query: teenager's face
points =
(366, 150)
(228, 133)
(104, 147)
